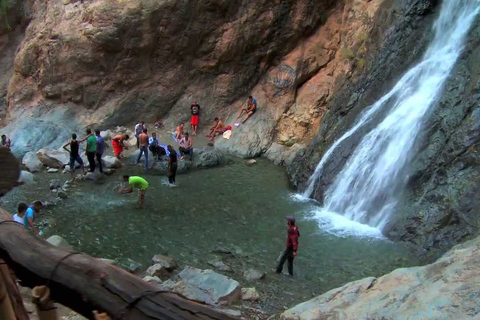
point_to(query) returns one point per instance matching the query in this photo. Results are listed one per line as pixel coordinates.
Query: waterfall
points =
(366, 189)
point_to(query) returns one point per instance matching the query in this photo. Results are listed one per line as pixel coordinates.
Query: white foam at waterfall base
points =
(341, 226)
(336, 224)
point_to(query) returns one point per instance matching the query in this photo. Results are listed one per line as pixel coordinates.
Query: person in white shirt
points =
(139, 127)
(18, 217)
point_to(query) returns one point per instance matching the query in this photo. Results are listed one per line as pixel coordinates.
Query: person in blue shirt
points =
(250, 109)
(100, 148)
(31, 214)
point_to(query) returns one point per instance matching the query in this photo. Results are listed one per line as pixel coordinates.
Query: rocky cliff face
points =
(440, 205)
(445, 289)
(105, 63)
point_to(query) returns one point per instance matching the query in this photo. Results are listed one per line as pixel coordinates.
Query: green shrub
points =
(4, 5)
(361, 63)
(347, 53)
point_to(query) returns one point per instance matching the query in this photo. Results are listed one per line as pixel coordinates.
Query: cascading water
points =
(366, 188)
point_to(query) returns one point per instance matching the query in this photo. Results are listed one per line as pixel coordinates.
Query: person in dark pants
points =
(172, 166)
(291, 247)
(91, 149)
(100, 147)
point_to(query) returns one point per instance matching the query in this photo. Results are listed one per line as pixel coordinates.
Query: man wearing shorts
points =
(74, 155)
(250, 110)
(218, 128)
(195, 109)
(136, 182)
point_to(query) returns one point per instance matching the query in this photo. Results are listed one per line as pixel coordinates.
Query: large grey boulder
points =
(53, 158)
(31, 161)
(132, 158)
(208, 286)
(207, 158)
(111, 162)
(446, 289)
(25, 177)
(58, 241)
(253, 275)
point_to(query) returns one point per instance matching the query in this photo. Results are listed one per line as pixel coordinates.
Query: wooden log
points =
(13, 292)
(6, 309)
(85, 284)
(10, 171)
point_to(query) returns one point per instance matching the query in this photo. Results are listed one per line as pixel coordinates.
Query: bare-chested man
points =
(250, 109)
(219, 128)
(118, 143)
(143, 142)
(179, 132)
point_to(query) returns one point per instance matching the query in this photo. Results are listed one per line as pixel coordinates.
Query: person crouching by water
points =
(31, 215)
(290, 251)
(135, 182)
(172, 166)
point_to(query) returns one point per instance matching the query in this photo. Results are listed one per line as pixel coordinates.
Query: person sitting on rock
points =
(6, 143)
(74, 155)
(186, 146)
(136, 182)
(179, 132)
(154, 146)
(158, 124)
(118, 144)
(218, 128)
(250, 109)
(291, 246)
(21, 210)
(31, 214)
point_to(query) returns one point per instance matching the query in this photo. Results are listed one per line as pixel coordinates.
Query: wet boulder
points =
(250, 294)
(158, 270)
(167, 262)
(55, 184)
(25, 177)
(111, 162)
(53, 158)
(31, 161)
(253, 275)
(58, 241)
(208, 286)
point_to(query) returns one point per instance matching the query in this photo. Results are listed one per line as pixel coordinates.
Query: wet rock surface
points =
(442, 290)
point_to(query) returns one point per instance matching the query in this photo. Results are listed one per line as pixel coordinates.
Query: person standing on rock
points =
(136, 182)
(143, 140)
(186, 146)
(118, 144)
(139, 127)
(31, 215)
(74, 155)
(91, 149)
(291, 246)
(6, 143)
(100, 149)
(195, 109)
(172, 166)
(250, 110)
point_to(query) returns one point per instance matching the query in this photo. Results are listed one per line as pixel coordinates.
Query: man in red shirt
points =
(291, 247)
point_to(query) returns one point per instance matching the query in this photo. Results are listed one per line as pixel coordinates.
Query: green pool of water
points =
(236, 207)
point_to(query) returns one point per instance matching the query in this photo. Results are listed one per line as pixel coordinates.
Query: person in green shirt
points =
(91, 149)
(137, 183)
